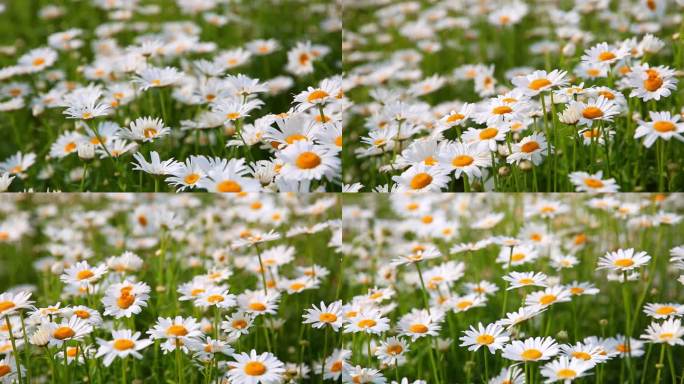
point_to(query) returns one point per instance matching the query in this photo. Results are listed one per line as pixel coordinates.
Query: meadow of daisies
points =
(512, 95)
(462, 288)
(134, 288)
(173, 95)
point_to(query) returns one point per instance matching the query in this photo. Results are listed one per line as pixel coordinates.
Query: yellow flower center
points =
(605, 56)
(72, 352)
(607, 95)
(255, 368)
(623, 263)
(665, 310)
(336, 366)
(430, 161)
(663, 126)
(502, 110)
(420, 180)
(454, 118)
(191, 178)
(537, 84)
(257, 307)
(517, 256)
(296, 137)
(86, 115)
(62, 333)
(526, 281)
(666, 336)
(581, 355)
(462, 161)
(366, 323)
(308, 160)
(5, 305)
(488, 133)
(547, 299)
(177, 330)
(149, 132)
(653, 83)
(394, 349)
(418, 328)
(213, 299)
(327, 317)
(70, 147)
(4, 369)
(592, 112)
(485, 339)
(228, 186)
(566, 373)
(576, 290)
(84, 274)
(239, 324)
(38, 61)
(232, 115)
(593, 183)
(531, 354)
(338, 141)
(316, 95)
(464, 304)
(82, 314)
(297, 286)
(123, 344)
(530, 147)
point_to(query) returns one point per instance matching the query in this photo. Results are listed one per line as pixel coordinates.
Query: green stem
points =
(14, 346)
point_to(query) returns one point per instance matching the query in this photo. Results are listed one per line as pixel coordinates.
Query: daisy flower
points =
(258, 303)
(303, 160)
(326, 92)
(226, 176)
(493, 336)
(604, 54)
(531, 349)
(18, 163)
(82, 274)
(623, 260)
(256, 368)
(522, 314)
(651, 83)
(326, 315)
(586, 182)
(238, 324)
(10, 302)
(145, 129)
(585, 351)
(531, 148)
(361, 375)
(565, 370)
(421, 178)
(539, 81)
(465, 159)
(215, 296)
(177, 331)
(124, 343)
(549, 296)
(525, 279)
(38, 59)
(8, 369)
(154, 77)
(90, 315)
(663, 311)
(600, 109)
(72, 329)
(663, 125)
(392, 351)
(417, 255)
(155, 166)
(125, 299)
(486, 138)
(336, 363)
(670, 331)
(509, 375)
(83, 104)
(419, 323)
(367, 320)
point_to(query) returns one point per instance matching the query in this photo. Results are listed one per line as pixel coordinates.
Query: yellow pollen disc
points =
(517, 256)
(70, 147)
(581, 355)
(366, 323)
(228, 186)
(531, 354)
(213, 299)
(455, 117)
(427, 219)
(394, 349)
(652, 84)
(256, 205)
(420, 180)
(462, 161)
(257, 307)
(232, 115)
(593, 72)
(297, 286)
(605, 56)
(488, 133)
(593, 183)
(85, 274)
(666, 336)
(336, 366)
(607, 95)
(5, 305)
(38, 61)
(338, 141)
(327, 317)
(485, 339)
(176, 330)
(191, 178)
(239, 324)
(622, 348)
(123, 344)
(430, 161)
(535, 237)
(62, 333)
(464, 304)
(665, 310)
(418, 328)
(255, 368)
(530, 147)
(526, 281)
(303, 59)
(547, 299)
(296, 137)
(663, 126)
(82, 314)
(502, 110)
(623, 263)
(156, 82)
(592, 113)
(566, 373)
(537, 84)
(317, 95)
(5, 369)
(576, 290)
(509, 100)
(86, 115)
(307, 160)
(149, 132)
(72, 351)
